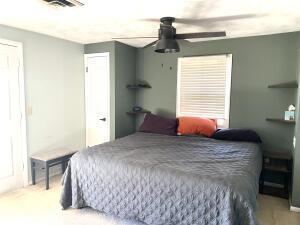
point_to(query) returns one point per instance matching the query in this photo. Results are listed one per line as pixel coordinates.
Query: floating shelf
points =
(138, 112)
(290, 84)
(138, 86)
(281, 120)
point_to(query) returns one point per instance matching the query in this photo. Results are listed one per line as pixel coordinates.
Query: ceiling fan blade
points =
(151, 20)
(132, 38)
(200, 35)
(207, 20)
(150, 44)
(214, 19)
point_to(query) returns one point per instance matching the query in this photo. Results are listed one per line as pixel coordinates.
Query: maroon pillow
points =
(159, 125)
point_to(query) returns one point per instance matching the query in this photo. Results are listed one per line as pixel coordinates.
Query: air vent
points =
(64, 3)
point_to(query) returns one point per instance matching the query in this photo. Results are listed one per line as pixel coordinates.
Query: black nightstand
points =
(278, 163)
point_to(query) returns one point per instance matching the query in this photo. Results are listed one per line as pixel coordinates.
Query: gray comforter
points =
(159, 179)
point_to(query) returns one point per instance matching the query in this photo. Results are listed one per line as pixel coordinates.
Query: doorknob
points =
(103, 119)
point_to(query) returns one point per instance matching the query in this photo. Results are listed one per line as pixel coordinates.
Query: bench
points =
(47, 159)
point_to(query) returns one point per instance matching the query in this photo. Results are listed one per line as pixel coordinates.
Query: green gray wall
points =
(122, 72)
(125, 98)
(54, 89)
(257, 62)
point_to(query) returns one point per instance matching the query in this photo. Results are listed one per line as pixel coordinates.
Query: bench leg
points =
(47, 175)
(32, 171)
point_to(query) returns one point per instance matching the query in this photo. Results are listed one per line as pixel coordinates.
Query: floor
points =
(35, 206)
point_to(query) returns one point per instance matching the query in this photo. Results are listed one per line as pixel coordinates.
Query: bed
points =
(163, 180)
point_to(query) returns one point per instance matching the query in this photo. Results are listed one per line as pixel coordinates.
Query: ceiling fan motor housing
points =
(166, 32)
(167, 20)
(166, 37)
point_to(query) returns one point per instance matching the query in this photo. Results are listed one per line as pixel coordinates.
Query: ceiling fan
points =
(167, 36)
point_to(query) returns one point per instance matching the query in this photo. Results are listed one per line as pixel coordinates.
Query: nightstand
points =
(277, 163)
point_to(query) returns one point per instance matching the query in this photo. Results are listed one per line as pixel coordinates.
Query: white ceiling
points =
(99, 21)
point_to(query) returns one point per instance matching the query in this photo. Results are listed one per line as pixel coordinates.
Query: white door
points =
(97, 98)
(11, 167)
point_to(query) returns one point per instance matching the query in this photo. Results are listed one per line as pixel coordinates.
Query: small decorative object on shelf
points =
(290, 114)
(137, 108)
(277, 162)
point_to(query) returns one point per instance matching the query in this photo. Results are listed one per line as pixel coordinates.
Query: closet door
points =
(11, 165)
(97, 98)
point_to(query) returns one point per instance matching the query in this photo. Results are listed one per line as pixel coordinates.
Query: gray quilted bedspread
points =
(164, 180)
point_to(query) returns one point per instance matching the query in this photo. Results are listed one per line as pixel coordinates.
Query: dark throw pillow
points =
(159, 125)
(237, 135)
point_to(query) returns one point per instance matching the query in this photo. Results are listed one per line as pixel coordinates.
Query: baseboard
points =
(294, 209)
(271, 184)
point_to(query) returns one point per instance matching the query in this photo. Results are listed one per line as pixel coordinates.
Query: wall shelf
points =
(281, 120)
(290, 84)
(137, 86)
(138, 112)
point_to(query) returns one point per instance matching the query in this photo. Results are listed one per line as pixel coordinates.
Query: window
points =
(203, 87)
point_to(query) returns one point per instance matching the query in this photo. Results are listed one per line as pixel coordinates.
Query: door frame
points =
(23, 133)
(86, 56)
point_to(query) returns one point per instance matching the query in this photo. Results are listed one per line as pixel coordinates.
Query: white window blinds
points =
(203, 87)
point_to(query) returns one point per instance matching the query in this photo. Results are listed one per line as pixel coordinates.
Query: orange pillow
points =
(196, 125)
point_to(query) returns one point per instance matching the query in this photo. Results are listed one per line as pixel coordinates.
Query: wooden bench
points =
(47, 159)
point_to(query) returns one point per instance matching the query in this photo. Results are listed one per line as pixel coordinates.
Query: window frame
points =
(227, 91)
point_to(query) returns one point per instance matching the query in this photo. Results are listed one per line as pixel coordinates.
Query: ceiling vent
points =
(64, 3)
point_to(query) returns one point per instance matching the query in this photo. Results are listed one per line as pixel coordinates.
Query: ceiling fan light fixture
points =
(167, 46)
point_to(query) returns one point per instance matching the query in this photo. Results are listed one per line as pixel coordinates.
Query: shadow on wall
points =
(164, 113)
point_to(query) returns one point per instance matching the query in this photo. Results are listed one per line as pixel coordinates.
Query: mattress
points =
(164, 180)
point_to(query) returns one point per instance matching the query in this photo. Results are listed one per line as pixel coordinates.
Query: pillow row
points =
(194, 126)
(183, 125)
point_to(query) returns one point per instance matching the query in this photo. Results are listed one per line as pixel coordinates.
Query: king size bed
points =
(167, 180)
